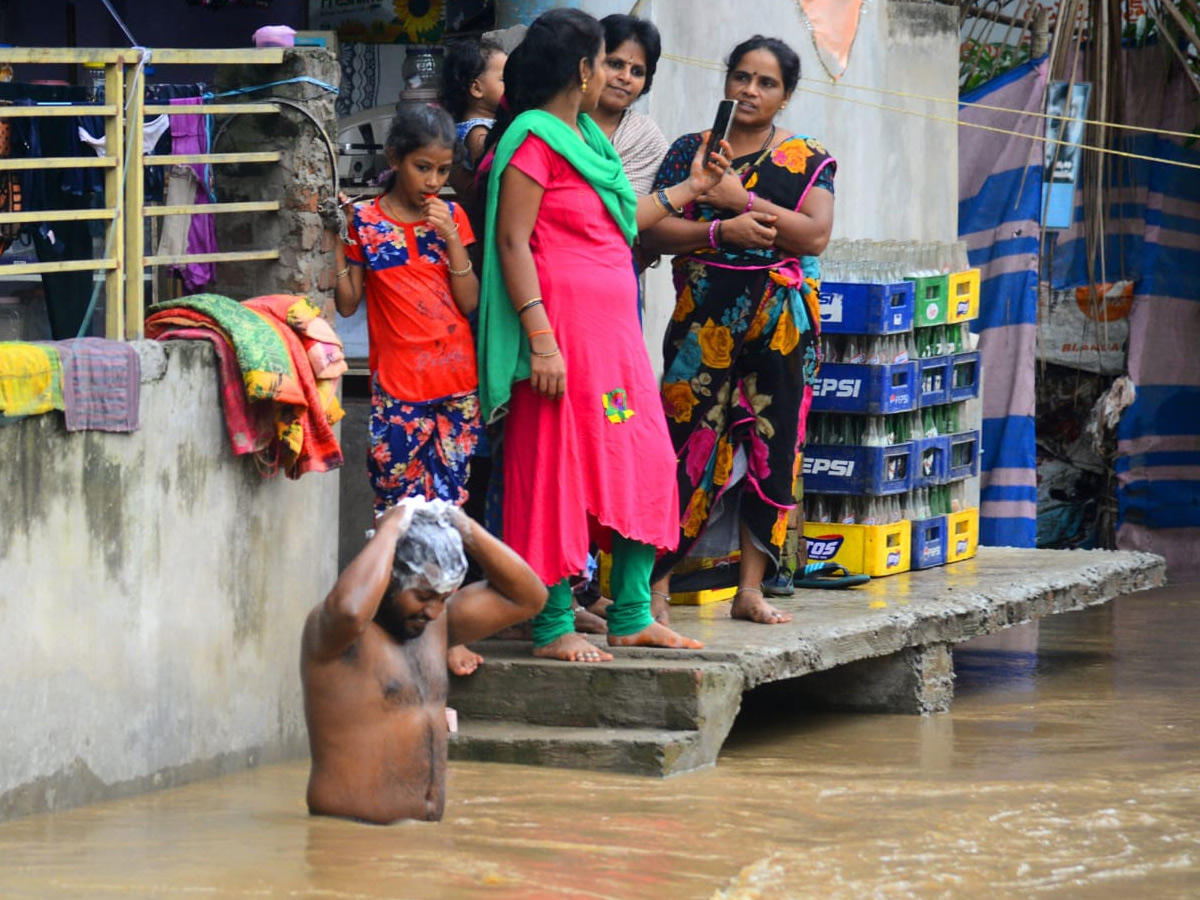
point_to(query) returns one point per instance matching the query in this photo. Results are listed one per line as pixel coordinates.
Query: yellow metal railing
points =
(125, 261)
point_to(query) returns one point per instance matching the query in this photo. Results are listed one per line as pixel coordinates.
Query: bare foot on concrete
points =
(749, 604)
(660, 607)
(462, 660)
(572, 648)
(655, 635)
(587, 622)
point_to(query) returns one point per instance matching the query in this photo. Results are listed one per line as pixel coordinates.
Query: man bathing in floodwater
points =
(373, 659)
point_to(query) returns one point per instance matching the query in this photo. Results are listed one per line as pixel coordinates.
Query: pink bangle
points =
(712, 234)
(750, 198)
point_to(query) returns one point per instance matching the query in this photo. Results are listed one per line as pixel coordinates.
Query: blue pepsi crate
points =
(856, 388)
(933, 461)
(933, 380)
(928, 542)
(963, 459)
(850, 469)
(866, 308)
(964, 376)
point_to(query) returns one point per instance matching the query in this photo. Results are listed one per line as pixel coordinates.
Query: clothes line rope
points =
(720, 67)
(712, 65)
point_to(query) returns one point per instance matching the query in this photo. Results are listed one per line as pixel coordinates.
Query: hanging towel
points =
(30, 379)
(101, 384)
(189, 135)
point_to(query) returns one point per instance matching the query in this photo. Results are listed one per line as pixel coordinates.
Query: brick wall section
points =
(300, 181)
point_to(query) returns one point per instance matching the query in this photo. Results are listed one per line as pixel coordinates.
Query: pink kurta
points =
(602, 454)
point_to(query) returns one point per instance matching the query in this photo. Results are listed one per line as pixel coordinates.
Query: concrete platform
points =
(883, 647)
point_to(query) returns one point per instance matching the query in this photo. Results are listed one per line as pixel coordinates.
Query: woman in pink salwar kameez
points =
(587, 455)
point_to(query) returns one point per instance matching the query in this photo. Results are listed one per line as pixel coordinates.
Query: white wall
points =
(897, 174)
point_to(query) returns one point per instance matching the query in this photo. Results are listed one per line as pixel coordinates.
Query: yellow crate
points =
(962, 535)
(962, 304)
(867, 549)
(702, 598)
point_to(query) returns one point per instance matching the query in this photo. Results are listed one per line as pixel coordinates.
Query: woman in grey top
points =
(631, 50)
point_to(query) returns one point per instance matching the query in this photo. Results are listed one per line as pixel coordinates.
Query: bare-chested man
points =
(373, 659)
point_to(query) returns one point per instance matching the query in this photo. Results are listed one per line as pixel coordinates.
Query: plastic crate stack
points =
(889, 446)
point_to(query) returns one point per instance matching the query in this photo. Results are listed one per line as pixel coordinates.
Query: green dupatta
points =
(503, 352)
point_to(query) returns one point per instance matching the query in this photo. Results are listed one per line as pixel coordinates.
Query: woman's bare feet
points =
(655, 635)
(587, 622)
(749, 604)
(572, 648)
(462, 660)
(660, 607)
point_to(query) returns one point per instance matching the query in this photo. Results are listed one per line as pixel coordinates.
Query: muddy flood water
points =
(1069, 767)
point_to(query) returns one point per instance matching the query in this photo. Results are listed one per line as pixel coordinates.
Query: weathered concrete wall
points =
(152, 591)
(897, 173)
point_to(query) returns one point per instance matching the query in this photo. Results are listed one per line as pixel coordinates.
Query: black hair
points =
(789, 62)
(546, 62)
(415, 126)
(620, 28)
(464, 62)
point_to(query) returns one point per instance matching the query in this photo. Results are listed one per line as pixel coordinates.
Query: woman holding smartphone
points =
(586, 450)
(740, 353)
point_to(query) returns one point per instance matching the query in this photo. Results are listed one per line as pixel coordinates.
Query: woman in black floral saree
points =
(741, 351)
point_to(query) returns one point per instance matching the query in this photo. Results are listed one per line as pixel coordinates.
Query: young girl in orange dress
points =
(408, 249)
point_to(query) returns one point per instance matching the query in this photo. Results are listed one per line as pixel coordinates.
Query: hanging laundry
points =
(189, 134)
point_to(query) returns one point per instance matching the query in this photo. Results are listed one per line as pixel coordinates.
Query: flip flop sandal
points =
(828, 576)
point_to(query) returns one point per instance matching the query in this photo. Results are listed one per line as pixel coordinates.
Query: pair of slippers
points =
(826, 576)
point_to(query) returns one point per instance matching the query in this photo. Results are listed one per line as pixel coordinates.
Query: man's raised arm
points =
(355, 597)
(510, 593)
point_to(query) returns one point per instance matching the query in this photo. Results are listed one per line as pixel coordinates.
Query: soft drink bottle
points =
(846, 512)
(821, 510)
(870, 512)
(854, 351)
(873, 350)
(873, 434)
(958, 497)
(915, 431)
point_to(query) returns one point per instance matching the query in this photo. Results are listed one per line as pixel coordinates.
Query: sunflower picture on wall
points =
(421, 21)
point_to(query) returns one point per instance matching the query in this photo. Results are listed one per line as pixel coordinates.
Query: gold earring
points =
(583, 85)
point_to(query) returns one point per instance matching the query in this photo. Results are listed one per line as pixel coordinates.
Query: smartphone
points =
(720, 128)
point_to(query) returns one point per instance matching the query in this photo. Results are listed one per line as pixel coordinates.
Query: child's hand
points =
(437, 213)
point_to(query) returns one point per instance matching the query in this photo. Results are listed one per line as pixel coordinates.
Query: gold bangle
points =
(536, 301)
(458, 273)
(659, 203)
(553, 352)
(342, 273)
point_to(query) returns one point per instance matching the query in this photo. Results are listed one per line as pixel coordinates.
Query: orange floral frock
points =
(740, 356)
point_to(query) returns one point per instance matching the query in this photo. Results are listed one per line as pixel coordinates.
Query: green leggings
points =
(630, 586)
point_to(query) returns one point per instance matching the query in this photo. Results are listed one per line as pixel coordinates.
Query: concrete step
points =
(635, 751)
(676, 692)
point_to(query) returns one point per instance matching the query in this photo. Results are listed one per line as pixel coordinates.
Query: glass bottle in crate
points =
(958, 497)
(821, 511)
(847, 515)
(874, 350)
(873, 435)
(855, 353)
